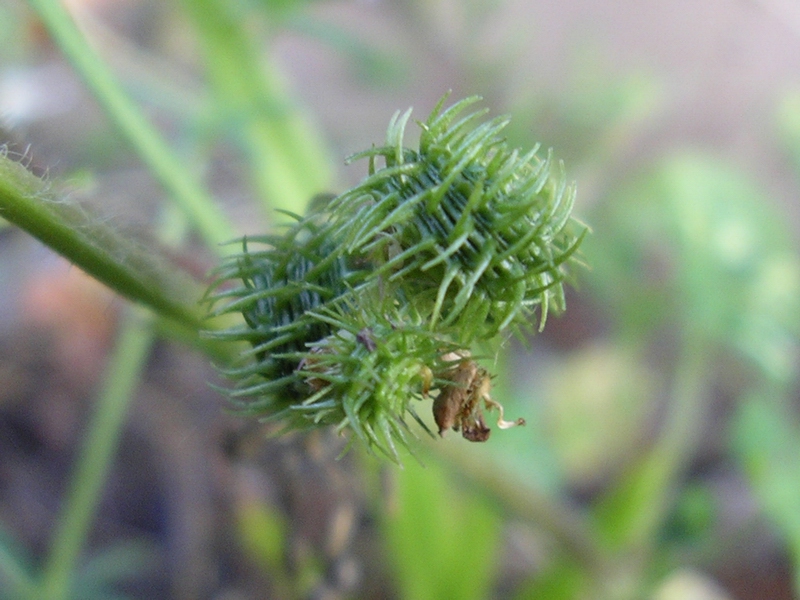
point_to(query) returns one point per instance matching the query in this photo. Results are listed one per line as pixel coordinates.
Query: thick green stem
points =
(126, 265)
(166, 167)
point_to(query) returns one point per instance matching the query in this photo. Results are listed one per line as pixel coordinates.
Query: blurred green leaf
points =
(262, 530)
(693, 516)
(442, 541)
(766, 439)
(599, 402)
(562, 580)
(629, 515)
(696, 241)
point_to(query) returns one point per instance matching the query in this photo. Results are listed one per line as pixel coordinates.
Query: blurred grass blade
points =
(162, 162)
(766, 439)
(442, 539)
(96, 455)
(287, 159)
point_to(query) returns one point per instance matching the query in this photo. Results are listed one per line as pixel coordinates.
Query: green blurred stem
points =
(686, 419)
(287, 158)
(631, 516)
(684, 423)
(96, 456)
(666, 464)
(567, 525)
(677, 445)
(13, 573)
(167, 168)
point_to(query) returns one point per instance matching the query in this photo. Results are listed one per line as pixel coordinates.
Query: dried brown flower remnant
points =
(457, 406)
(364, 338)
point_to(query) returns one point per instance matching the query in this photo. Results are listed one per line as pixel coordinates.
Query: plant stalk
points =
(96, 455)
(288, 161)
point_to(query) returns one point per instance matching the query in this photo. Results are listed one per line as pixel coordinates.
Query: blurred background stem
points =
(288, 161)
(97, 455)
(632, 514)
(210, 221)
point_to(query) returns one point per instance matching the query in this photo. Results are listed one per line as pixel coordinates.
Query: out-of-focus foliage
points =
(695, 240)
(766, 439)
(442, 539)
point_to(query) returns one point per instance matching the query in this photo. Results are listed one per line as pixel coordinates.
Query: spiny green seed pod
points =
(476, 228)
(367, 375)
(371, 302)
(279, 285)
(364, 363)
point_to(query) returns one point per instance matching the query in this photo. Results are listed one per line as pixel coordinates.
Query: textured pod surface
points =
(479, 229)
(275, 288)
(354, 313)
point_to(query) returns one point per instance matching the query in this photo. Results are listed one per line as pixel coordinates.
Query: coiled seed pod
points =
(372, 301)
(476, 228)
(278, 286)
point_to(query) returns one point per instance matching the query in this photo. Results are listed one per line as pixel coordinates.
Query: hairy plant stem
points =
(125, 265)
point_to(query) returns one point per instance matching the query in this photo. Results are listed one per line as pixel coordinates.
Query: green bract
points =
(371, 301)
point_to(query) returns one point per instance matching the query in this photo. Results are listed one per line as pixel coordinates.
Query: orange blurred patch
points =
(79, 312)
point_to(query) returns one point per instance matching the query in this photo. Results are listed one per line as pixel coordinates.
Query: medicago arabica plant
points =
(376, 299)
